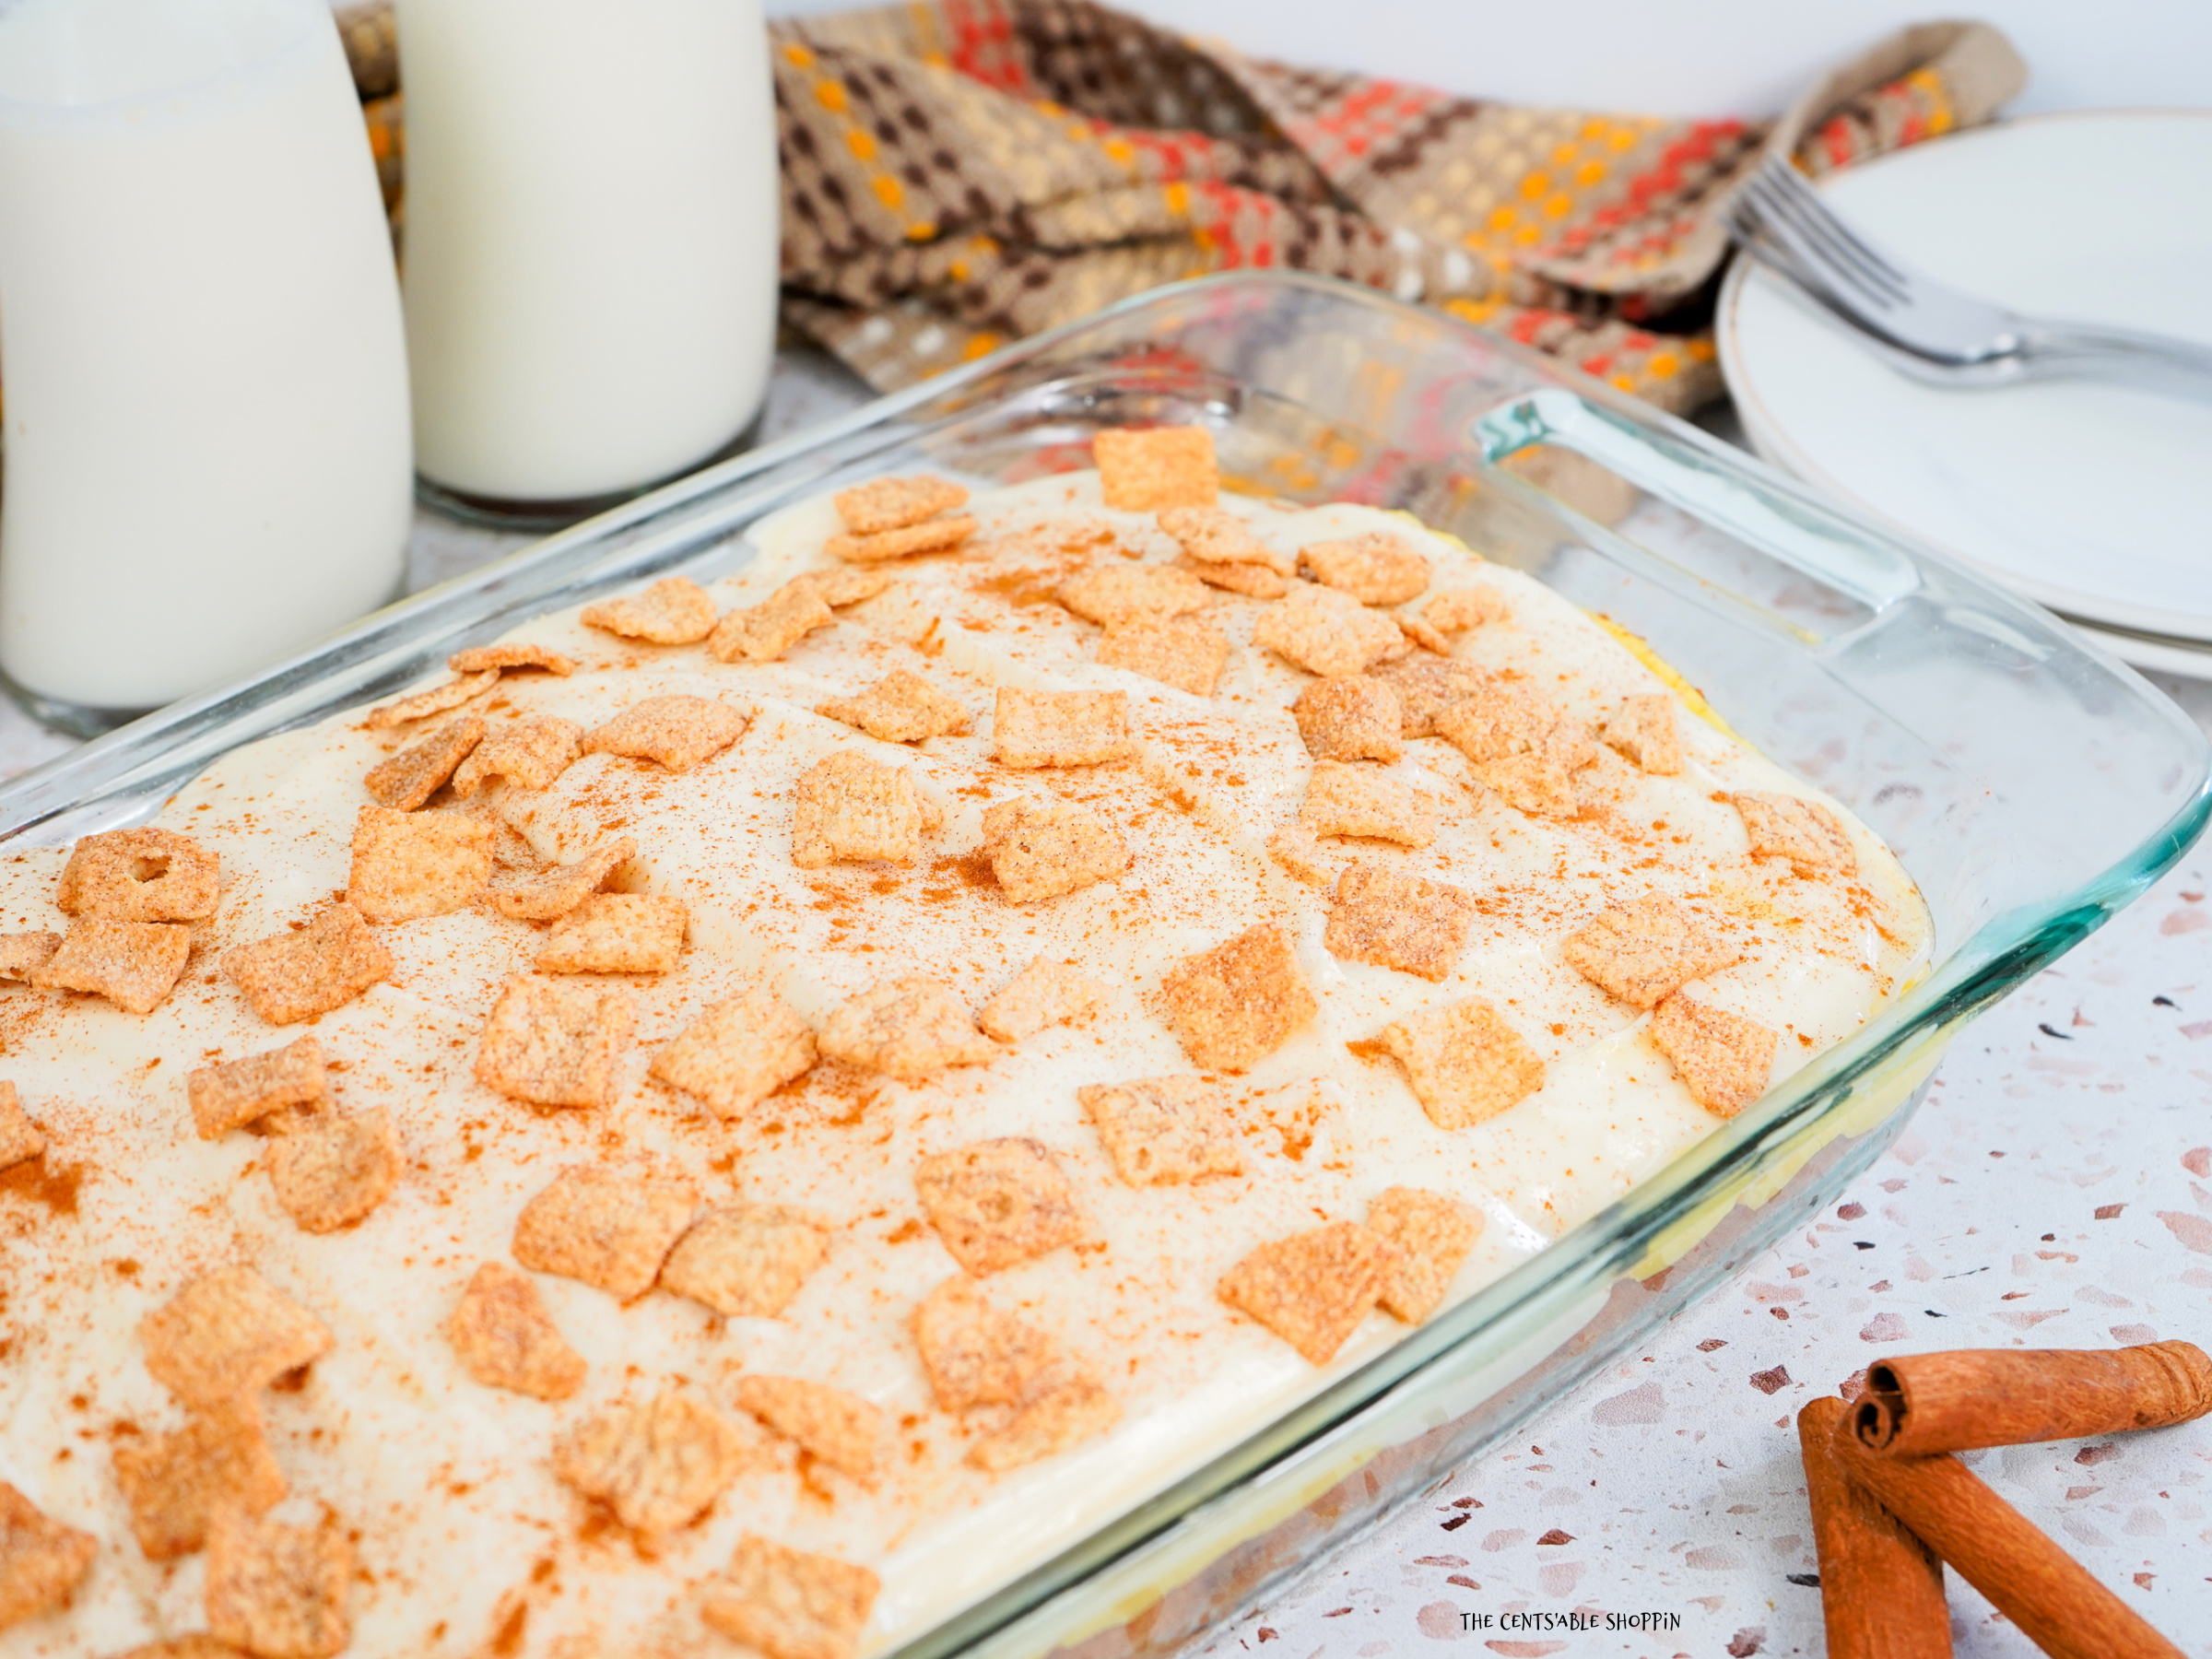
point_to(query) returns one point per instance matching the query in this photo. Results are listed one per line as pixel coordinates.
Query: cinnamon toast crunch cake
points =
(754, 1114)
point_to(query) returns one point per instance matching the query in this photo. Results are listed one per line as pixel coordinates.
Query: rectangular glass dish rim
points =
(395, 645)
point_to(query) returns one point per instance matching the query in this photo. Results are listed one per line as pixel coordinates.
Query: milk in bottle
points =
(591, 239)
(201, 354)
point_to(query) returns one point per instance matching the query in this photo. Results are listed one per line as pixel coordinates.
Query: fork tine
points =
(1820, 233)
(1819, 244)
(1767, 250)
(1783, 241)
(1794, 184)
(1790, 197)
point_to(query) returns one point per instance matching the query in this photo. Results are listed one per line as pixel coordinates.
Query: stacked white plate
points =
(2092, 498)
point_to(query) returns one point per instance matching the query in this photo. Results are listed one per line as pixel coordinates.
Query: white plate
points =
(2095, 500)
(2166, 654)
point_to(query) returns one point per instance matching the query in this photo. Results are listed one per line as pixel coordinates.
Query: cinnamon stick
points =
(2052, 1598)
(1881, 1588)
(1921, 1404)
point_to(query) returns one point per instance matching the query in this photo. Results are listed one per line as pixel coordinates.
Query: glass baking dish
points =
(2031, 784)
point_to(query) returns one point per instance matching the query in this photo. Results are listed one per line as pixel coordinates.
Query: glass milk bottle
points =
(201, 354)
(590, 252)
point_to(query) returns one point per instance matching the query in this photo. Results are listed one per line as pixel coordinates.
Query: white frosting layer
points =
(447, 1483)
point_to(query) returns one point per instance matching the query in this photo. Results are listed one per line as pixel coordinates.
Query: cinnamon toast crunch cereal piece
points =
(1643, 730)
(1432, 1235)
(679, 732)
(529, 754)
(1252, 581)
(20, 1139)
(738, 1053)
(1520, 746)
(610, 1229)
(1495, 721)
(1163, 466)
(1352, 718)
(1374, 567)
(1463, 608)
(520, 655)
(673, 611)
(1724, 1058)
(616, 933)
(789, 1604)
(332, 1170)
(1421, 634)
(1294, 849)
(1060, 728)
(1326, 632)
(1346, 798)
(840, 1428)
(555, 1044)
(899, 708)
(174, 1483)
(416, 773)
(657, 1465)
(41, 1559)
(143, 875)
(133, 964)
(894, 503)
(548, 894)
(239, 1092)
(1236, 1004)
(23, 954)
(746, 1261)
(1398, 920)
(227, 1335)
(409, 866)
(293, 976)
(764, 632)
(1060, 1417)
(506, 1340)
(1466, 1064)
(1039, 849)
(436, 701)
(1645, 950)
(997, 1203)
(1805, 832)
(279, 1591)
(851, 805)
(1185, 654)
(975, 1355)
(1427, 686)
(842, 586)
(199, 1646)
(1214, 535)
(932, 536)
(1163, 1131)
(1313, 1287)
(906, 1028)
(1044, 993)
(1111, 591)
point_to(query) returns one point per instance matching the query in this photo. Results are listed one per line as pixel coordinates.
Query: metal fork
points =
(1924, 328)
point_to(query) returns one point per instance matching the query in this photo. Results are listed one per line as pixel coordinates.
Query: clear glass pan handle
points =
(1710, 483)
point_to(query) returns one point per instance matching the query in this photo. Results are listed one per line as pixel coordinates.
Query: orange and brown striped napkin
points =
(958, 173)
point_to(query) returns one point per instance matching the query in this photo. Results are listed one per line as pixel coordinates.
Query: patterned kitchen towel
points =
(959, 173)
(962, 172)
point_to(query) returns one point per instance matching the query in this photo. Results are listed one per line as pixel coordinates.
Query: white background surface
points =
(1693, 57)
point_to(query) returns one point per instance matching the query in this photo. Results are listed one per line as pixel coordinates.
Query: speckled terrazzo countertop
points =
(2055, 1191)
